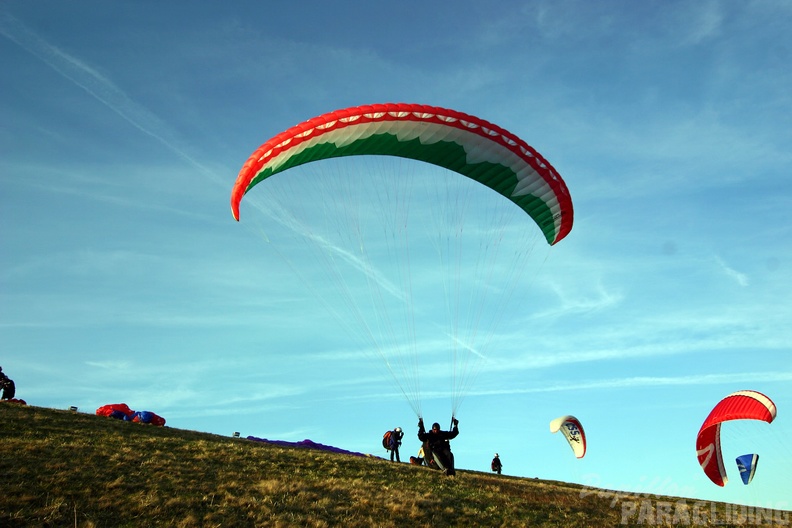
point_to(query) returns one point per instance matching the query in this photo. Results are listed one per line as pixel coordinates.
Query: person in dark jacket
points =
(395, 442)
(436, 445)
(496, 464)
(7, 384)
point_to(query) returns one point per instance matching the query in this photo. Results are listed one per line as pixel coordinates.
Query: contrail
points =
(105, 91)
(97, 86)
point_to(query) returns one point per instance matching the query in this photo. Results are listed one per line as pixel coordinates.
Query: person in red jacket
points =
(437, 447)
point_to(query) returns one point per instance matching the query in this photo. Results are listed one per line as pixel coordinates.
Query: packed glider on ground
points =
(412, 225)
(572, 430)
(741, 405)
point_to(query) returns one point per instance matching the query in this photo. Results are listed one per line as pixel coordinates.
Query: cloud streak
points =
(99, 87)
(649, 381)
(739, 278)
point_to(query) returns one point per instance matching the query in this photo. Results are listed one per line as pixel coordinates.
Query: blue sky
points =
(123, 277)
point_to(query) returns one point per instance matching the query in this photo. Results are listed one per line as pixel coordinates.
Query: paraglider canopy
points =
(457, 141)
(572, 430)
(740, 405)
(747, 466)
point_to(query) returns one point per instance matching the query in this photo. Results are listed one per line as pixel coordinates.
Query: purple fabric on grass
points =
(306, 444)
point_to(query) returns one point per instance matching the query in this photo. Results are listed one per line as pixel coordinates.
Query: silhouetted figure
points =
(436, 446)
(7, 384)
(496, 464)
(395, 442)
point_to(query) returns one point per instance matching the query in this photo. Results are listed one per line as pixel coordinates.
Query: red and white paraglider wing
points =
(741, 405)
(457, 141)
(572, 430)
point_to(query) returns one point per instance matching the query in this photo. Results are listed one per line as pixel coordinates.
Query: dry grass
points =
(60, 468)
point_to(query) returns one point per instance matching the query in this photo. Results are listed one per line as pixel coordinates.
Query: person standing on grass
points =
(395, 442)
(496, 464)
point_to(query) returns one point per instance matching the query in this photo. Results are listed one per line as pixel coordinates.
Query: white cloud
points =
(739, 278)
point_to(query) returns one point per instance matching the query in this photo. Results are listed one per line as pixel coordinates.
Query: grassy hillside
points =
(60, 468)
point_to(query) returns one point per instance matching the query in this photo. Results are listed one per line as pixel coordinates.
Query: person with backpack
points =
(391, 441)
(395, 443)
(496, 464)
(437, 447)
